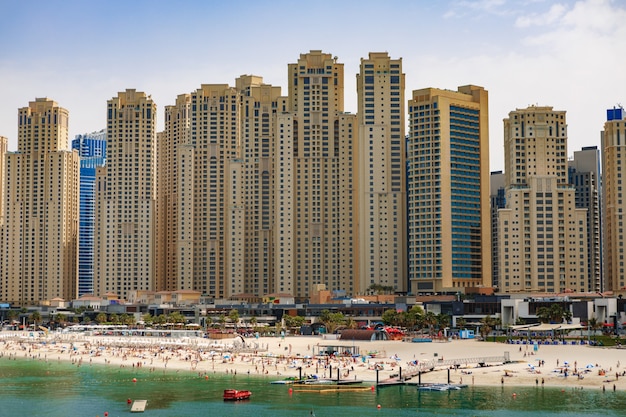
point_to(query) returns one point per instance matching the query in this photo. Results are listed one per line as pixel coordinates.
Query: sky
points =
(570, 55)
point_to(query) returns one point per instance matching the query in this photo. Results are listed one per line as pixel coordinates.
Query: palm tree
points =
(61, 319)
(332, 320)
(253, 321)
(127, 319)
(553, 314)
(594, 325)
(35, 317)
(101, 318)
(430, 320)
(114, 318)
(488, 323)
(12, 315)
(176, 317)
(461, 322)
(147, 319)
(160, 319)
(233, 315)
(443, 320)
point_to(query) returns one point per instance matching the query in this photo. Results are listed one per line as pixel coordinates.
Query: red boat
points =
(235, 395)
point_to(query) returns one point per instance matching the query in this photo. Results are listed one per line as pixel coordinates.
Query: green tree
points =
(35, 317)
(293, 322)
(160, 319)
(114, 318)
(233, 315)
(12, 315)
(553, 314)
(416, 317)
(594, 325)
(443, 320)
(253, 321)
(380, 289)
(461, 323)
(350, 323)
(176, 317)
(429, 322)
(127, 319)
(222, 320)
(147, 319)
(488, 324)
(61, 319)
(101, 318)
(390, 317)
(332, 321)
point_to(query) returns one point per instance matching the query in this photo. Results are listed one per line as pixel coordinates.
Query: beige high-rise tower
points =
(314, 181)
(543, 236)
(124, 235)
(41, 209)
(448, 190)
(380, 172)
(613, 201)
(216, 188)
(3, 151)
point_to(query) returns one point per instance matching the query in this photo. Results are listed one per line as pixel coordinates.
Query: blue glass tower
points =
(92, 150)
(448, 190)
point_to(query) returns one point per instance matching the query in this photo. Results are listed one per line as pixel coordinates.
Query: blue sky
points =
(567, 54)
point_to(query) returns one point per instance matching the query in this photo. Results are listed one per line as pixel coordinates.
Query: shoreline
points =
(275, 358)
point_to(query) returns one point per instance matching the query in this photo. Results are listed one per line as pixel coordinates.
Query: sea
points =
(35, 387)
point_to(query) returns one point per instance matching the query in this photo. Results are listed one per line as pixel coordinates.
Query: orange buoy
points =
(206, 377)
(290, 390)
(378, 406)
(372, 388)
(134, 379)
(106, 414)
(128, 401)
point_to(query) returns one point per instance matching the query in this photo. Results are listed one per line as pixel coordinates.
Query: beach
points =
(566, 366)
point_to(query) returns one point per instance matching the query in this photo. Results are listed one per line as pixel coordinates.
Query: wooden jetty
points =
(139, 406)
(426, 366)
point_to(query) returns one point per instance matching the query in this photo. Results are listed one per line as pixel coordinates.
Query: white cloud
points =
(555, 13)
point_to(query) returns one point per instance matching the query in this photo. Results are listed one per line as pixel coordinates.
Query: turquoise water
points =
(34, 388)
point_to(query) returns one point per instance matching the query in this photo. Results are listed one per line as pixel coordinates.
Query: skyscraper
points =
(380, 173)
(314, 181)
(125, 197)
(613, 202)
(543, 244)
(40, 230)
(216, 188)
(448, 190)
(3, 151)
(584, 175)
(174, 262)
(498, 201)
(92, 151)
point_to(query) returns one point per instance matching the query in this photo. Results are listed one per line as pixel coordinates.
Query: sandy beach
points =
(566, 366)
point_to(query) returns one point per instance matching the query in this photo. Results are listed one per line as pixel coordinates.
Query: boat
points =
(439, 387)
(236, 395)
